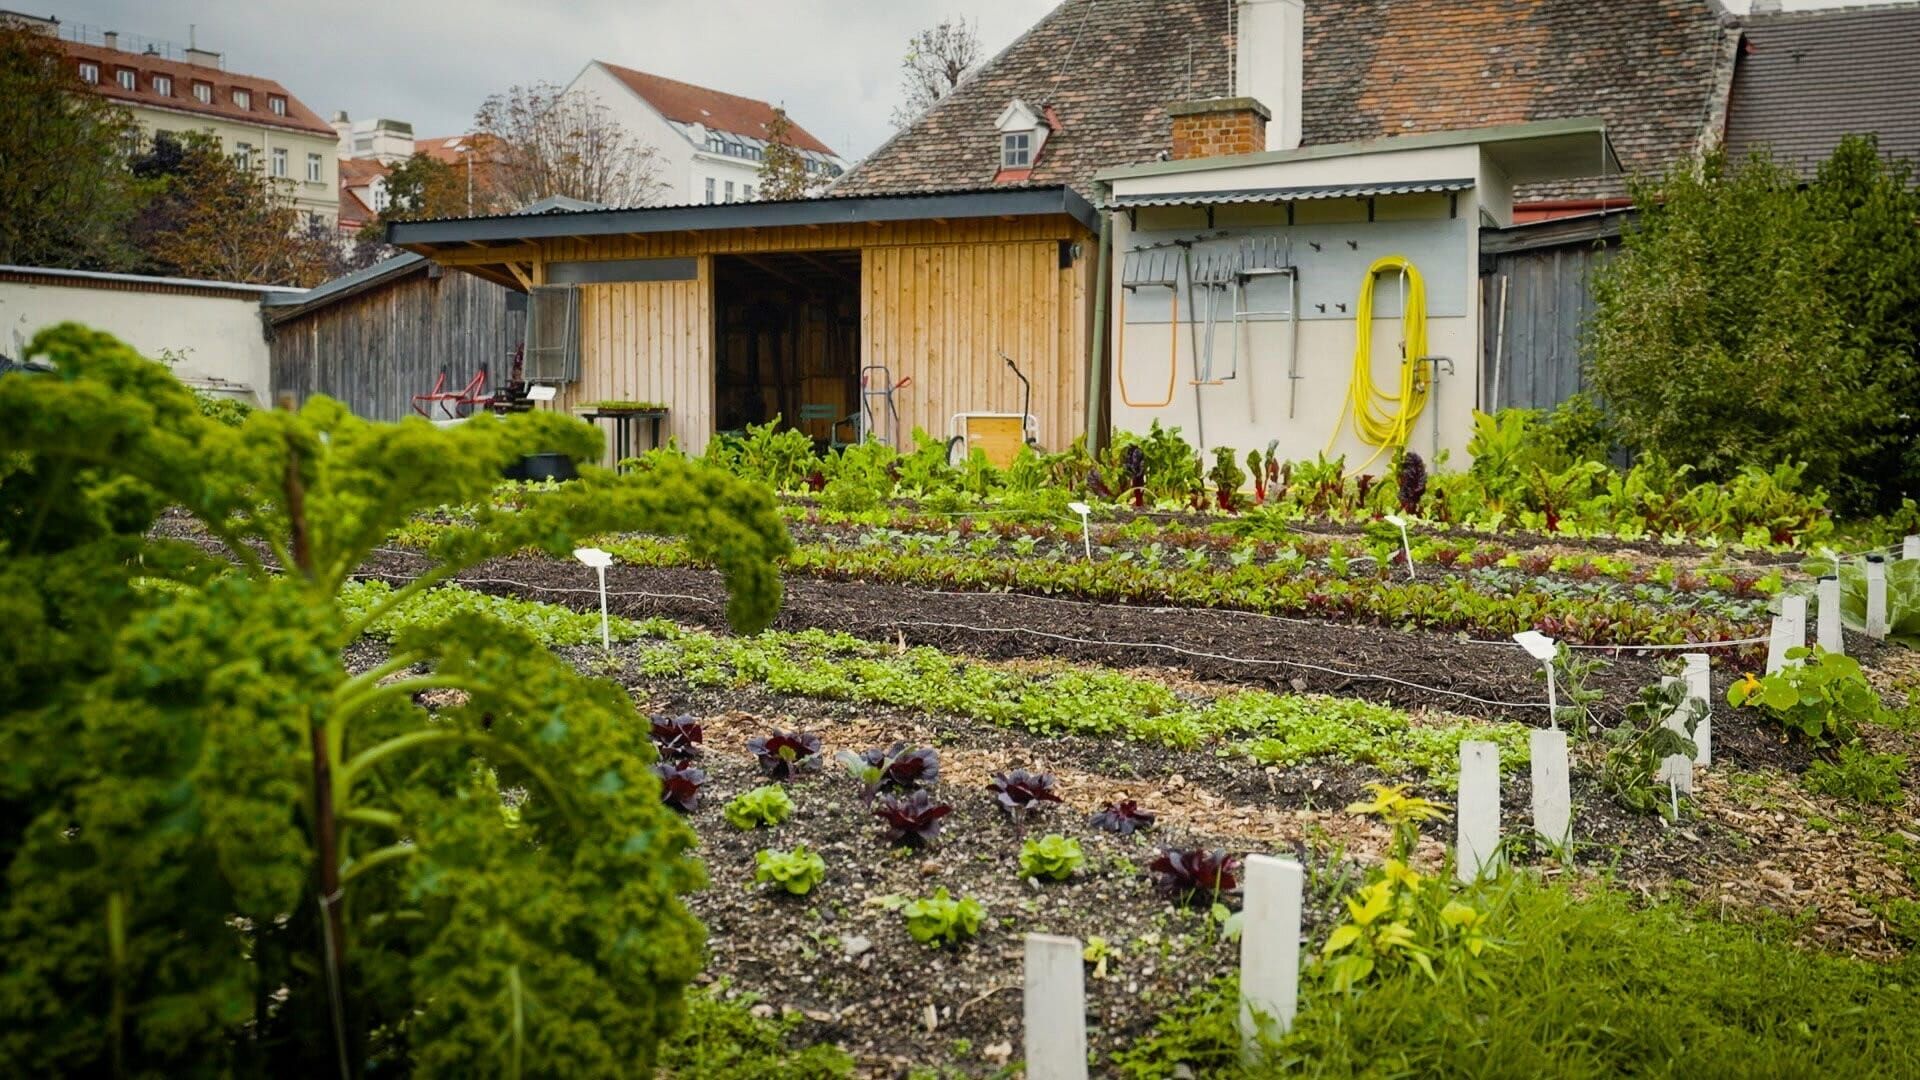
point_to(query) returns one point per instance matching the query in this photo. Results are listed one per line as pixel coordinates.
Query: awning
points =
(1288, 194)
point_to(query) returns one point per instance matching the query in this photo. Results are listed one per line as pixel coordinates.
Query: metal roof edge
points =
(148, 279)
(1386, 144)
(279, 309)
(835, 210)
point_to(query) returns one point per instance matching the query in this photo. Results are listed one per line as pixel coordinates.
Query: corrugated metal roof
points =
(340, 287)
(1289, 194)
(147, 279)
(1806, 78)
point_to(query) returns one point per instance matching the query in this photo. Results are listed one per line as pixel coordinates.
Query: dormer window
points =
(128, 80)
(1016, 150)
(163, 85)
(203, 93)
(90, 74)
(277, 106)
(243, 99)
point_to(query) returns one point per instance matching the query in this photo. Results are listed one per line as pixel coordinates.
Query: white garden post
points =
(1552, 794)
(1789, 632)
(1876, 597)
(1056, 1009)
(1827, 615)
(1544, 649)
(1086, 529)
(1406, 545)
(1699, 677)
(1910, 548)
(1270, 948)
(1676, 770)
(599, 560)
(1477, 818)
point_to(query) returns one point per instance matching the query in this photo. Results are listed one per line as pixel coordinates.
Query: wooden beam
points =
(466, 257)
(761, 265)
(525, 280)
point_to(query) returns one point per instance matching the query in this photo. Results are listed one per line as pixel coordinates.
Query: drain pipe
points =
(1096, 351)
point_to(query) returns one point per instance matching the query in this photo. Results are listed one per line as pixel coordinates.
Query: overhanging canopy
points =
(1288, 194)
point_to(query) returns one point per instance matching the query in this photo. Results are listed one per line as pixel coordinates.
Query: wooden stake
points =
(1055, 1009)
(1270, 948)
(1477, 818)
(1876, 597)
(1827, 615)
(1552, 797)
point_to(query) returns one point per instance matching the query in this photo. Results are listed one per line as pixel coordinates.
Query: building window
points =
(729, 191)
(1016, 150)
(163, 85)
(243, 98)
(128, 80)
(313, 169)
(709, 189)
(277, 106)
(243, 155)
(203, 93)
(90, 74)
(280, 161)
(747, 193)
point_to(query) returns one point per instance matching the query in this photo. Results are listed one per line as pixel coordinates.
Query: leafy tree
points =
(937, 59)
(1753, 319)
(211, 217)
(548, 141)
(783, 170)
(223, 853)
(65, 195)
(424, 187)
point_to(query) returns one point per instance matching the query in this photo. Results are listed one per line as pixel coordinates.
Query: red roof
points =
(353, 212)
(449, 149)
(184, 75)
(359, 172)
(686, 103)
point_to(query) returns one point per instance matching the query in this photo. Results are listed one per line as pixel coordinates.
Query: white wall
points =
(647, 127)
(218, 338)
(1254, 408)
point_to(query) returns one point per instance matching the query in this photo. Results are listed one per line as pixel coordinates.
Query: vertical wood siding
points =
(650, 341)
(375, 350)
(1549, 299)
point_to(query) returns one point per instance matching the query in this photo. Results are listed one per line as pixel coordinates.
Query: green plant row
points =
(553, 624)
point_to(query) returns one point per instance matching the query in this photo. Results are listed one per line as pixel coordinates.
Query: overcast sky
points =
(834, 63)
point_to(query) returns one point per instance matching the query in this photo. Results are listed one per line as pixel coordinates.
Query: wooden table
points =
(623, 424)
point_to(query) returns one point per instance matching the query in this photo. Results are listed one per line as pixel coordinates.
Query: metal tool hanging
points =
(1261, 258)
(1216, 273)
(1150, 268)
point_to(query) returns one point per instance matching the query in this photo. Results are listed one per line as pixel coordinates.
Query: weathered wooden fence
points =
(1536, 295)
(376, 341)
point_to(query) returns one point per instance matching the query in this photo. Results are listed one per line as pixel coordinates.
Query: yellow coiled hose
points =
(1381, 419)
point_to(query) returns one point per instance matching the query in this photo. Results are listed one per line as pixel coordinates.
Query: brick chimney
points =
(1216, 127)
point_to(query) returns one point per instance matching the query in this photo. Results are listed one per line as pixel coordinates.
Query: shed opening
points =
(787, 342)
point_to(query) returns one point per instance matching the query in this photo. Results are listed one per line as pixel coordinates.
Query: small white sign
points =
(540, 392)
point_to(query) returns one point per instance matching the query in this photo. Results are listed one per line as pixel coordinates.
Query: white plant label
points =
(1699, 677)
(1270, 947)
(1876, 597)
(1552, 794)
(1055, 1010)
(1477, 818)
(1827, 615)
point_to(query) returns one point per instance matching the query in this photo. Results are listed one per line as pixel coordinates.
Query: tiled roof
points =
(359, 172)
(1372, 68)
(448, 149)
(1806, 78)
(685, 103)
(222, 106)
(353, 212)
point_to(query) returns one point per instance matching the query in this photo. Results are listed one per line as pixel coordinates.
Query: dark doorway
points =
(787, 342)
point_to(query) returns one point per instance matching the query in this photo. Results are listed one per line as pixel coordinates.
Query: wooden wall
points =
(939, 300)
(375, 350)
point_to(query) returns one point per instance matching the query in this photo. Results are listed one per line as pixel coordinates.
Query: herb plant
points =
(798, 870)
(784, 755)
(911, 820)
(1196, 876)
(1859, 775)
(1638, 746)
(1819, 696)
(1052, 857)
(766, 805)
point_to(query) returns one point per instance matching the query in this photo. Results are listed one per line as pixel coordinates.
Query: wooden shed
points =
(808, 309)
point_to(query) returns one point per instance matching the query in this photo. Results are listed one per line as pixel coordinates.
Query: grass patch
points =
(1582, 987)
(724, 1039)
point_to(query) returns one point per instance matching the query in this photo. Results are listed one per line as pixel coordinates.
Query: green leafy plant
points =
(1820, 696)
(1644, 739)
(1860, 775)
(798, 870)
(215, 835)
(766, 805)
(1052, 857)
(942, 919)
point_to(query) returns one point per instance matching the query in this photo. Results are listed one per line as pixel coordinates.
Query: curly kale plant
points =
(226, 854)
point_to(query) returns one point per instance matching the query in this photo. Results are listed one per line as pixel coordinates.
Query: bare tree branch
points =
(937, 59)
(544, 141)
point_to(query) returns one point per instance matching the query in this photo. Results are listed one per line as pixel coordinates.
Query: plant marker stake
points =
(1544, 649)
(1477, 818)
(1910, 548)
(1673, 792)
(1676, 769)
(1876, 597)
(1055, 1009)
(1406, 546)
(599, 560)
(1552, 795)
(1269, 948)
(1789, 632)
(1827, 615)
(1699, 677)
(1086, 530)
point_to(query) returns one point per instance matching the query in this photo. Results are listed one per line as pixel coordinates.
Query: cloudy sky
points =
(834, 63)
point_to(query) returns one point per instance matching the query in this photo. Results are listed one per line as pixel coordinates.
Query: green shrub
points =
(1823, 698)
(1860, 775)
(1050, 858)
(766, 805)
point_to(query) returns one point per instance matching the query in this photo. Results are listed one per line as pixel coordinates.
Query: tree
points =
(783, 169)
(419, 187)
(937, 59)
(65, 195)
(1754, 319)
(546, 141)
(211, 217)
(226, 854)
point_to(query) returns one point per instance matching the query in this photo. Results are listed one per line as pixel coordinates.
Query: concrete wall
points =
(1312, 413)
(217, 339)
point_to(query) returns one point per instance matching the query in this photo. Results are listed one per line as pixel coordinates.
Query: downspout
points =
(1097, 349)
